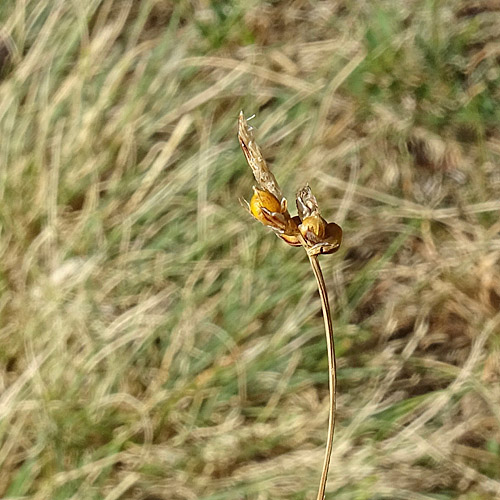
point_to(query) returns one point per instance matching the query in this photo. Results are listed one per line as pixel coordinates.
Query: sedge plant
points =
(309, 230)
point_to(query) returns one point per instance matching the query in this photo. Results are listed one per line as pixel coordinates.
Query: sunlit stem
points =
(332, 378)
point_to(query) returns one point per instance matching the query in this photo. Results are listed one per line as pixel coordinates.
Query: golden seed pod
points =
(314, 224)
(264, 199)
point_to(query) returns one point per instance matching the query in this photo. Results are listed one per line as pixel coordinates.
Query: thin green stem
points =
(332, 370)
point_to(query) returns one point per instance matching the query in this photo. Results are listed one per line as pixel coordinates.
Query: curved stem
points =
(332, 376)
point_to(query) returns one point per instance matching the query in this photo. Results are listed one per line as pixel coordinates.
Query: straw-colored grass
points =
(155, 342)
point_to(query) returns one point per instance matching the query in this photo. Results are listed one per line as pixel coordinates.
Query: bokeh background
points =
(157, 343)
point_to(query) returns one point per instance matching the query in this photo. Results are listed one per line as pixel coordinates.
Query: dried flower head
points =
(269, 206)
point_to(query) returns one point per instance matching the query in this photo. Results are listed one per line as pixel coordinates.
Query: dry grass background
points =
(155, 342)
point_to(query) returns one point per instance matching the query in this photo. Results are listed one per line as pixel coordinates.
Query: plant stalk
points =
(332, 369)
